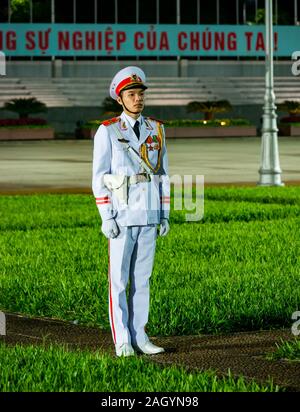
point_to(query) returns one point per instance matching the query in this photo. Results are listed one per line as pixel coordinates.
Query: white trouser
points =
(131, 256)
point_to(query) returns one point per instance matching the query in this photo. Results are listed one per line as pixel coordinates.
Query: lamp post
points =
(53, 74)
(269, 172)
(178, 22)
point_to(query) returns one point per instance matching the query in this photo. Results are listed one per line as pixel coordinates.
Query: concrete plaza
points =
(58, 165)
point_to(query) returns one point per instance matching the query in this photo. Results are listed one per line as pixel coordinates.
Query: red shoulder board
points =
(157, 120)
(110, 121)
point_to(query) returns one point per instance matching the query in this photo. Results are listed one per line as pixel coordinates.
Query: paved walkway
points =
(67, 164)
(242, 353)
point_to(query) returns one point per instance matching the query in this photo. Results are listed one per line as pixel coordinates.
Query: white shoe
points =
(124, 350)
(149, 349)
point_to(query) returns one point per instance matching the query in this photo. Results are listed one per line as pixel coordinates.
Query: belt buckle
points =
(145, 177)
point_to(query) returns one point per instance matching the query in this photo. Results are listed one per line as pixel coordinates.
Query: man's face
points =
(134, 99)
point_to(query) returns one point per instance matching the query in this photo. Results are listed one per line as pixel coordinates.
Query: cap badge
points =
(136, 78)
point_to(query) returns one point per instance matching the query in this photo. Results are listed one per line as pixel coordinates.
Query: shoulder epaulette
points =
(156, 120)
(110, 121)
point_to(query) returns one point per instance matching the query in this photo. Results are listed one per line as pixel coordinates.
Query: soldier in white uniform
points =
(132, 191)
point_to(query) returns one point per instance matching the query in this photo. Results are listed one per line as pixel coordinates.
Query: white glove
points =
(164, 227)
(110, 228)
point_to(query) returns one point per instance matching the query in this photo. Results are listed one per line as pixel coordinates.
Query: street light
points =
(53, 74)
(270, 172)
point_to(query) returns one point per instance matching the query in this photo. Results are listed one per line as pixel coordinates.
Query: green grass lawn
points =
(287, 350)
(237, 269)
(55, 369)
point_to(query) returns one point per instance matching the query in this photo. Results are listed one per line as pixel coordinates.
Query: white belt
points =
(139, 178)
(119, 184)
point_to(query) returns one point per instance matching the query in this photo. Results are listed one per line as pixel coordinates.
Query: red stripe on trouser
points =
(110, 297)
(165, 199)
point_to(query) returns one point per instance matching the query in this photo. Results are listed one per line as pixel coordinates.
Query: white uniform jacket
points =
(148, 202)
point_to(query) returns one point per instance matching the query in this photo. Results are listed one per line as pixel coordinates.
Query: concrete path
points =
(243, 353)
(67, 164)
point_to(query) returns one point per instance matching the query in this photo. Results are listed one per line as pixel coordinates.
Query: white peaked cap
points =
(128, 78)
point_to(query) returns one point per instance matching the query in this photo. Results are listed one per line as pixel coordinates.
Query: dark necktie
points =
(136, 129)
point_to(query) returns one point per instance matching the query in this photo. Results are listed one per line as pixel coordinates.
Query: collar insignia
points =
(123, 125)
(148, 125)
